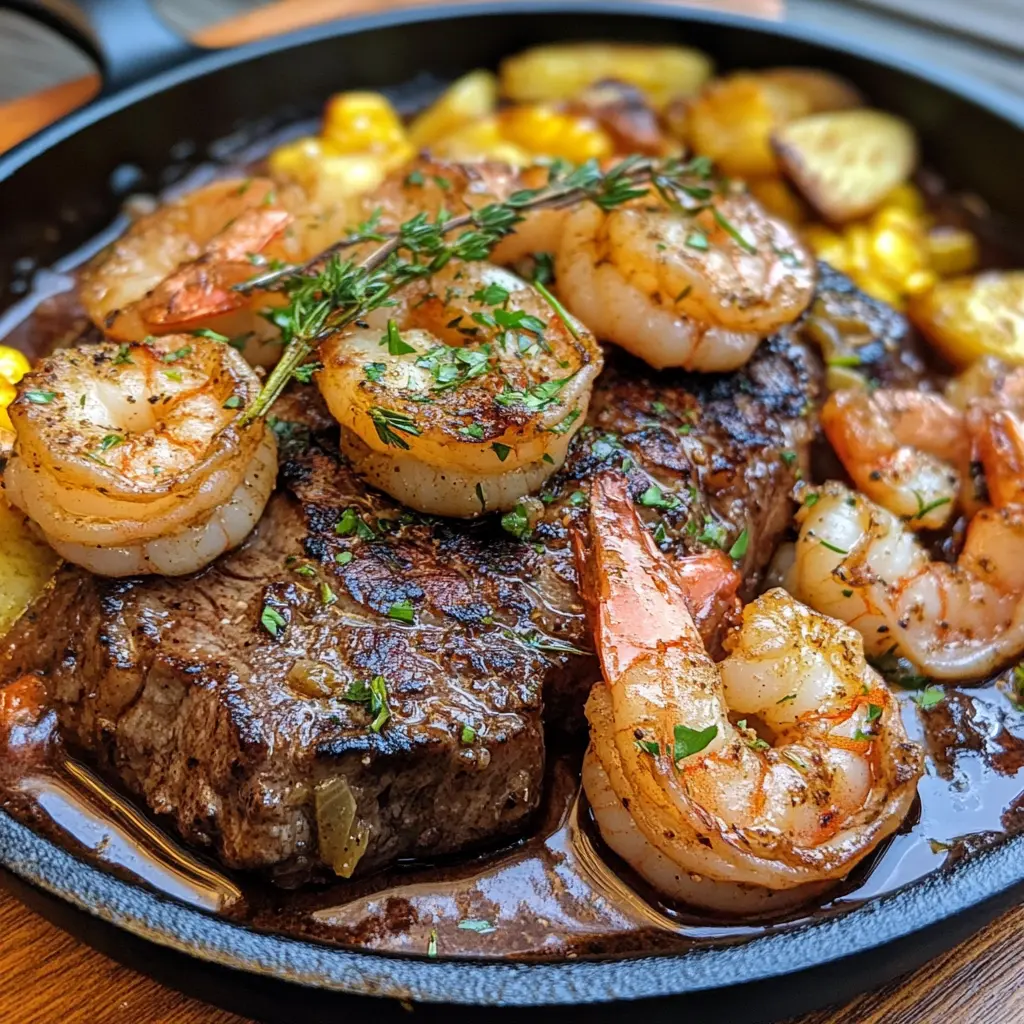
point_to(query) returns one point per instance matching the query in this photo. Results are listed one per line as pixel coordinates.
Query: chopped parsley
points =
(492, 295)
(397, 346)
(343, 557)
(403, 611)
(501, 450)
(739, 547)
(352, 523)
(374, 696)
(467, 735)
(474, 431)
(713, 533)
(390, 425)
(173, 357)
(304, 374)
(654, 497)
(687, 741)
(516, 522)
(327, 596)
(697, 240)
(374, 371)
(40, 397)
(929, 697)
(536, 398)
(651, 747)
(232, 401)
(272, 620)
(123, 356)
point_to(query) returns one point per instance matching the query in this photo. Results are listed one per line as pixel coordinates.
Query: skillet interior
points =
(164, 126)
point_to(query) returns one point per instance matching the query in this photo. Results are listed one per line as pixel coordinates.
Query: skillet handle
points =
(127, 38)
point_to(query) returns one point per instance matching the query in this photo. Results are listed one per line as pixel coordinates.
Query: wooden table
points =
(48, 977)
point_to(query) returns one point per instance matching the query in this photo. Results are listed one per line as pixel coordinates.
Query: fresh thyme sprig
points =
(327, 292)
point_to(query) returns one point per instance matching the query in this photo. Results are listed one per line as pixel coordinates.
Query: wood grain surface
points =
(48, 977)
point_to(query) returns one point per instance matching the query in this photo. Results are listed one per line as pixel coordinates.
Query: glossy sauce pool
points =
(558, 893)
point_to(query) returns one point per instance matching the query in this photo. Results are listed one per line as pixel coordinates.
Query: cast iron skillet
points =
(163, 106)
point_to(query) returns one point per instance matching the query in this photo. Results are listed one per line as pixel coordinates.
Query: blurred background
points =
(983, 37)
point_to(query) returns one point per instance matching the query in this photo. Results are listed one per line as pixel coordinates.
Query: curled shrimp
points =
(906, 450)
(857, 561)
(693, 290)
(464, 397)
(708, 811)
(175, 269)
(132, 458)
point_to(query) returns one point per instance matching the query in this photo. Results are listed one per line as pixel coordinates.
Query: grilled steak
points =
(226, 699)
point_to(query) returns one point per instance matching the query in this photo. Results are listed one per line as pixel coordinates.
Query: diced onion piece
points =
(468, 99)
(312, 678)
(967, 318)
(342, 837)
(562, 71)
(26, 565)
(846, 162)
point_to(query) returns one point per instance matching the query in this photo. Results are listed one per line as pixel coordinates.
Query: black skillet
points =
(166, 106)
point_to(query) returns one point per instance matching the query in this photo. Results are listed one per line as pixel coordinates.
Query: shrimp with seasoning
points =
(709, 812)
(175, 269)
(133, 458)
(857, 561)
(463, 397)
(695, 289)
(907, 450)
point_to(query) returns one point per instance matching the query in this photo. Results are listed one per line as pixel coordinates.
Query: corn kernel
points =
(828, 246)
(897, 219)
(896, 254)
(952, 251)
(298, 160)
(469, 99)
(858, 239)
(13, 365)
(362, 122)
(8, 392)
(542, 130)
(906, 197)
(881, 289)
(920, 281)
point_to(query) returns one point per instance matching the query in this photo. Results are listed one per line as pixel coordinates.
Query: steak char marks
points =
(178, 690)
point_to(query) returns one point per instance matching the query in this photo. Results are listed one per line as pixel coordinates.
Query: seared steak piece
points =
(226, 699)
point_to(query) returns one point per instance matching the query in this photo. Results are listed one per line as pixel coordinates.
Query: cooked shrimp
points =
(174, 269)
(131, 458)
(860, 563)
(464, 397)
(706, 810)
(906, 450)
(698, 291)
(429, 186)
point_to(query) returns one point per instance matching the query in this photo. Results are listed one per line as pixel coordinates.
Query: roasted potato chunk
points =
(562, 71)
(970, 317)
(733, 118)
(846, 162)
(470, 98)
(26, 565)
(624, 113)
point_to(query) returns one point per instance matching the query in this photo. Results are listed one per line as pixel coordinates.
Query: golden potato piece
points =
(970, 317)
(26, 565)
(817, 90)
(563, 70)
(846, 162)
(733, 118)
(470, 98)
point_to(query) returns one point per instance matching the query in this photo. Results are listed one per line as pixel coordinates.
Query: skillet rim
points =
(982, 883)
